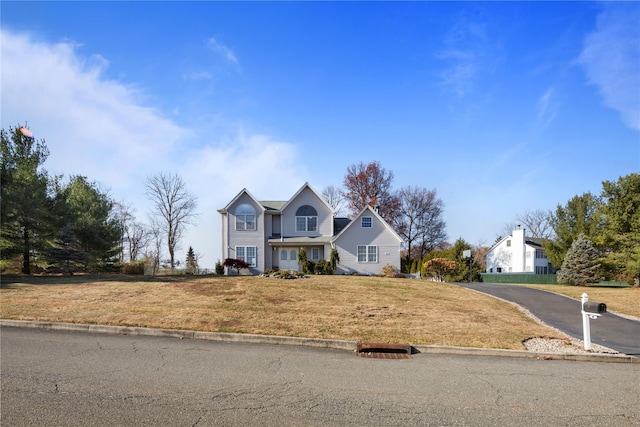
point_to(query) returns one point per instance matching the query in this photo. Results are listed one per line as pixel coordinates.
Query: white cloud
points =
(611, 57)
(93, 126)
(104, 129)
(222, 50)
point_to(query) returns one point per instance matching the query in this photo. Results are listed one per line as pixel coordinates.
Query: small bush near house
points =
(323, 267)
(389, 271)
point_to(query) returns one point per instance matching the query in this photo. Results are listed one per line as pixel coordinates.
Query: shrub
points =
(237, 264)
(323, 267)
(309, 267)
(389, 271)
(219, 268)
(134, 267)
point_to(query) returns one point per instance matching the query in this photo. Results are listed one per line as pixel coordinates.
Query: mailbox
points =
(594, 307)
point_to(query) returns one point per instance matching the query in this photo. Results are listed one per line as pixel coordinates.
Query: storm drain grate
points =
(384, 351)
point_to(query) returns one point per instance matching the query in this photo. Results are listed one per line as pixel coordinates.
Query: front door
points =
(288, 259)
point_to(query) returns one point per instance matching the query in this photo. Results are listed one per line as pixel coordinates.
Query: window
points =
(540, 254)
(245, 218)
(315, 253)
(306, 218)
(367, 253)
(542, 270)
(247, 254)
(283, 255)
(508, 243)
(293, 255)
(366, 222)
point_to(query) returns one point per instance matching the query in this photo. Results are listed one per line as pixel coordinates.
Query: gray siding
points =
(247, 237)
(378, 235)
(307, 197)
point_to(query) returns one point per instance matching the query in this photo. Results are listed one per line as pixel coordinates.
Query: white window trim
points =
(367, 254)
(306, 223)
(370, 222)
(244, 216)
(244, 258)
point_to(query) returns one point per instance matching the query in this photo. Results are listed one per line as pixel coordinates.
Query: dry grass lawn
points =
(368, 309)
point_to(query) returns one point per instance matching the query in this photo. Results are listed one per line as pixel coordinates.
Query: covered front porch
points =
(285, 251)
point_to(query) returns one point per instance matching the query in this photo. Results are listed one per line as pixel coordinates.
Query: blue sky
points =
(502, 107)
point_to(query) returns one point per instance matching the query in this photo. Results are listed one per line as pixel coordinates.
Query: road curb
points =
(308, 342)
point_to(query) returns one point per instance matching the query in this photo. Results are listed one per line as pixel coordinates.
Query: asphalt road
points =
(563, 313)
(56, 378)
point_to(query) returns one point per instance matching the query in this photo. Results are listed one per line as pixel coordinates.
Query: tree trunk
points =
(26, 255)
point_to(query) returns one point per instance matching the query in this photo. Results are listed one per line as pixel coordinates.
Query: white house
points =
(517, 253)
(269, 234)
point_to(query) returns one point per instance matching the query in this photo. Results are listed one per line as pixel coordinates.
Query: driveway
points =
(564, 313)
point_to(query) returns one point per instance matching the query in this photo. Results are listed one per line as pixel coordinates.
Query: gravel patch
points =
(569, 345)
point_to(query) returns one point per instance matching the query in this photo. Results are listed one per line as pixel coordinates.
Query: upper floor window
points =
(306, 218)
(366, 222)
(245, 217)
(508, 243)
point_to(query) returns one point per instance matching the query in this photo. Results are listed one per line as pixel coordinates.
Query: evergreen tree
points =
(65, 255)
(620, 235)
(580, 266)
(579, 216)
(91, 214)
(191, 262)
(334, 260)
(25, 203)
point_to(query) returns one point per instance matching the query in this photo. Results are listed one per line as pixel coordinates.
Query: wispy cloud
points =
(221, 49)
(547, 108)
(467, 53)
(611, 58)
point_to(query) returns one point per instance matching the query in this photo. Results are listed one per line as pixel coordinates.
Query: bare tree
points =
(135, 236)
(419, 220)
(335, 198)
(174, 205)
(537, 222)
(156, 237)
(370, 185)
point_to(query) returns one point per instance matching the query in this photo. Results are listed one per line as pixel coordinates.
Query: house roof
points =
(273, 205)
(307, 185)
(243, 191)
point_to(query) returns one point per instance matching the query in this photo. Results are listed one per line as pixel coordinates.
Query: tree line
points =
(590, 238)
(53, 224)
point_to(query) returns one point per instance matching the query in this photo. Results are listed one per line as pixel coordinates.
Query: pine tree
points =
(192, 263)
(580, 266)
(66, 255)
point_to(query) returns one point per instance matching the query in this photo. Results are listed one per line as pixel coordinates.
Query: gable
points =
(374, 229)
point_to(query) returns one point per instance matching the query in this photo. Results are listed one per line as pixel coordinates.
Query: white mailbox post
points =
(590, 310)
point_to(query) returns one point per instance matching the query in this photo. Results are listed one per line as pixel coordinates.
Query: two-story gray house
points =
(269, 234)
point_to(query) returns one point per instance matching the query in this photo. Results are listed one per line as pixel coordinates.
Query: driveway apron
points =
(563, 313)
